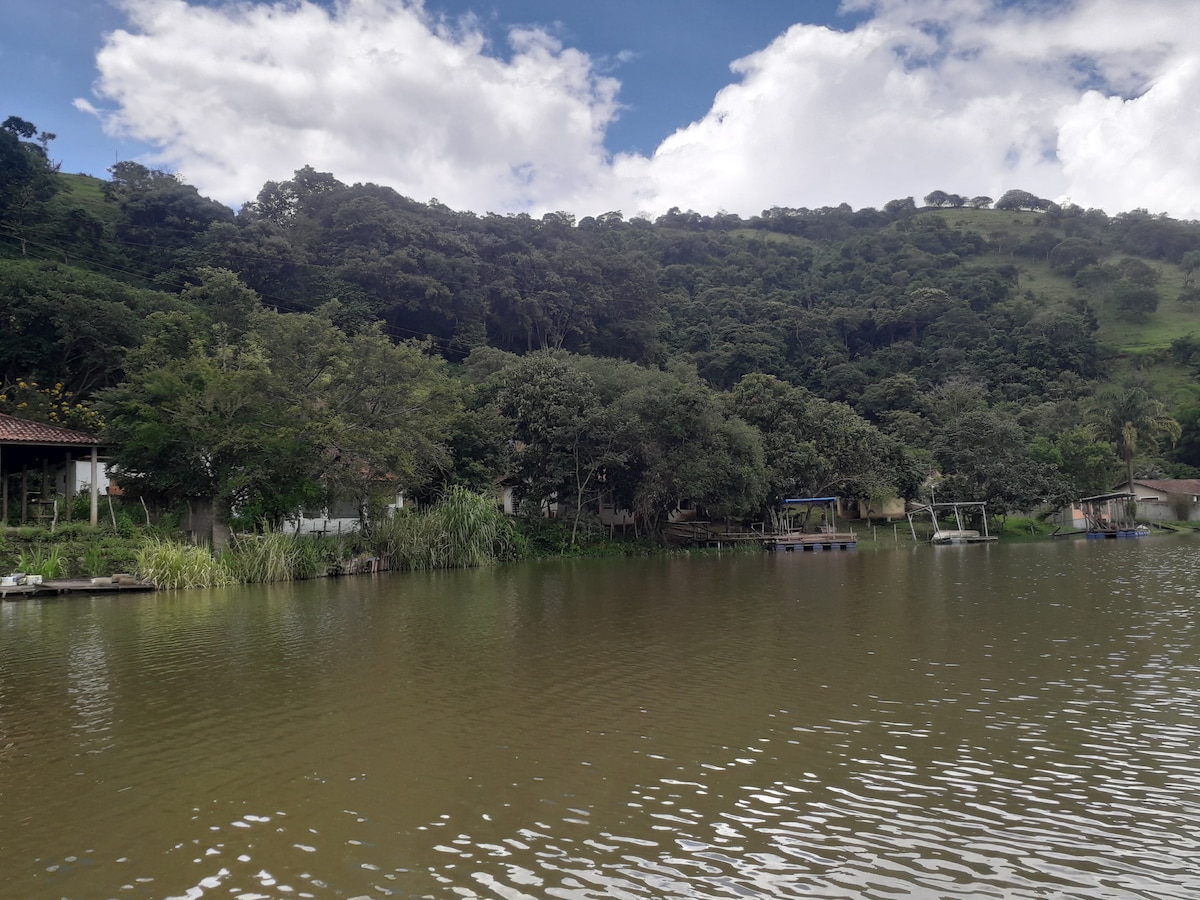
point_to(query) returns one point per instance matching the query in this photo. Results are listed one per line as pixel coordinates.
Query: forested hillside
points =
(327, 338)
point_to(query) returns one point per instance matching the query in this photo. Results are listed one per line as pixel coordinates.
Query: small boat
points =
(957, 535)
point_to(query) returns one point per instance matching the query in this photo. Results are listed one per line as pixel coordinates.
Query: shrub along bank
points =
(463, 530)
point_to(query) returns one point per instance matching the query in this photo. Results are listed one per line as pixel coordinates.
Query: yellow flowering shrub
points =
(53, 405)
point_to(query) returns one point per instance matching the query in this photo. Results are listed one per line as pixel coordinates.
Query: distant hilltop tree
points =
(1017, 199)
(941, 198)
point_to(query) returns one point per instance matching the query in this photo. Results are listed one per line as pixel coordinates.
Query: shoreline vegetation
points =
(334, 346)
(463, 530)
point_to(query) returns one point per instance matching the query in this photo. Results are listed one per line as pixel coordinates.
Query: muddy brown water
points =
(1012, 720)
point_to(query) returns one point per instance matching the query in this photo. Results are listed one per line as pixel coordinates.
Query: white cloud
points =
(377, 90)
(1094, 101)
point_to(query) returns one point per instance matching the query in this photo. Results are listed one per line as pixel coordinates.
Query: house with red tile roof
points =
(1165, 499)
(36, 460)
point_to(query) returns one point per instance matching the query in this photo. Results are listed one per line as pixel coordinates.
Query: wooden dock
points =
(55, 587)
(800, 541)
(706, 534)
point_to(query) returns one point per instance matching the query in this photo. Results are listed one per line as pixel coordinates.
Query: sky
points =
(590, 106)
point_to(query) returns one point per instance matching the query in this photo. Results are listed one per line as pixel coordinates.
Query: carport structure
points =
(34, 450)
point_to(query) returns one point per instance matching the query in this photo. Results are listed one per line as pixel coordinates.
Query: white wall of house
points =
(338, 519)
(80, 473)
(1165, 509)
(893, 508)
(611, 515)
(508, 498)
(1164, 502)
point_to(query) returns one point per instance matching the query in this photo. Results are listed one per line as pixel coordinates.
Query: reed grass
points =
(172, 565)
(93, 561)
(464, 530)
(273, 556)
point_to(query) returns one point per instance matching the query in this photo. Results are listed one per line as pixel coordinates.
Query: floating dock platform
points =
(53, 587)
(792, 542)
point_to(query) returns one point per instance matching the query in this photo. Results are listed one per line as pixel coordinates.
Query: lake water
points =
(1012, 721)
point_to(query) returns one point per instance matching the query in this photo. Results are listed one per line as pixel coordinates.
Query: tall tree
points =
(815, 447)
(1134, 421)
(265, 413)
(27, 180)
(567, 442)
(985, 455)
(685, 446)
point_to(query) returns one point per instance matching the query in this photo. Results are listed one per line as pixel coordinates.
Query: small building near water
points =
(1165, 499)
(38, 469)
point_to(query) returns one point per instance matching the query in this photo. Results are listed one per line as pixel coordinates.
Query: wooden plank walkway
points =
(703, 534)
(72, 586)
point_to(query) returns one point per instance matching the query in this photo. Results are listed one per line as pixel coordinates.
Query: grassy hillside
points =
(1130, 344)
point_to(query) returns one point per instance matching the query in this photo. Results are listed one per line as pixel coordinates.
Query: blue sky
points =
(534, 105)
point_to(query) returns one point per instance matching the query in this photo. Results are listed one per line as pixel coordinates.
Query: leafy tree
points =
(1134, 421)
(206, 426)
(282, 202)
(566, 441)
(1135, 302)
(1018, 199)
(161, 214)
(1087, 465)
(900, 208)
(18, 126)
(27, 181)
(684, 446)
(1073, 254)
(985, 455)
(283, 414)
(380, 418)
(1190, 262)
(814, 447)
(64, 324)
(1136, 271)
(1187, 449)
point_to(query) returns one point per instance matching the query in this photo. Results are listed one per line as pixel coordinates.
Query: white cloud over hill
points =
(1093, 101)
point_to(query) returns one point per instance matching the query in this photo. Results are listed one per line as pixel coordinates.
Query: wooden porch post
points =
(24, 494)
(95, 486)
(69, 484)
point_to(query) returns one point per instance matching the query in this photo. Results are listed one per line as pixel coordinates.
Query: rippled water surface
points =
(1009, 721)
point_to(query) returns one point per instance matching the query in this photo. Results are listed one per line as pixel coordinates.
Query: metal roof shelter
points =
(1110, 513)
(827, 506)
(959, 535)
(26, 446)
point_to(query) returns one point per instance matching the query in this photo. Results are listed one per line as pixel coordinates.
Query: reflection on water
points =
(988, 721)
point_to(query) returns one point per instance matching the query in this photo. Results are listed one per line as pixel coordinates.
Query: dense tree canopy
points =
(266, 359)
(266, 414)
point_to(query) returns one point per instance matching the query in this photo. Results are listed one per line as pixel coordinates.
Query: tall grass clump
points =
(272, 556)
(45, 561)
(170, 565)
(464, 530)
